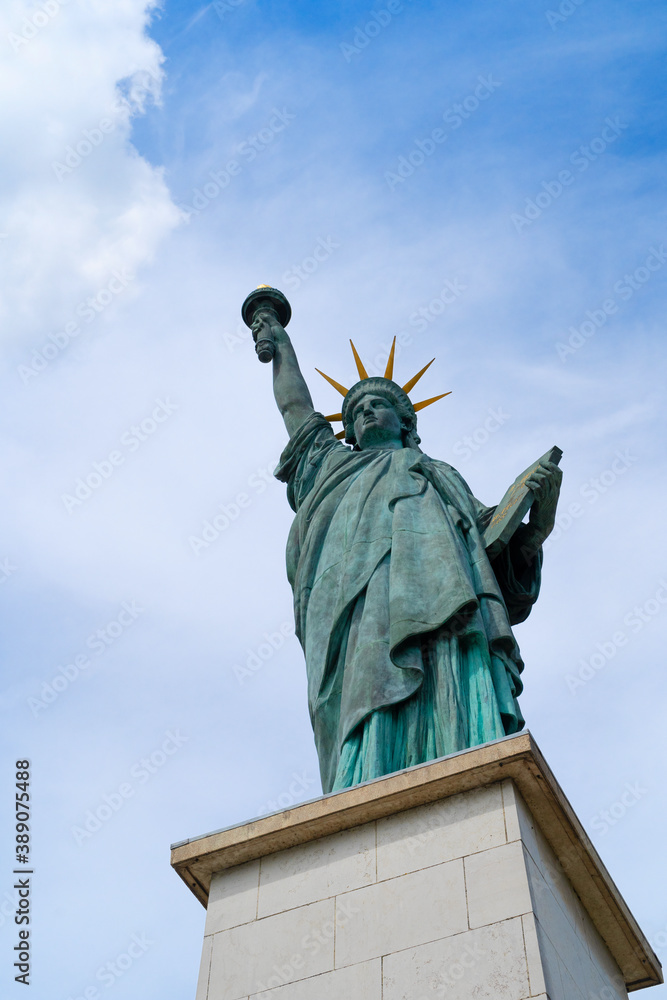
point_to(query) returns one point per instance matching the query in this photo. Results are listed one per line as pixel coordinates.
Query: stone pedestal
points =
(466, 878)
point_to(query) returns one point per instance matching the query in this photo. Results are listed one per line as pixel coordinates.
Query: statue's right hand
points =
(260, 327)
(266, 326)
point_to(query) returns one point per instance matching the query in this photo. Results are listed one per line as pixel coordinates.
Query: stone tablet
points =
(514, 506)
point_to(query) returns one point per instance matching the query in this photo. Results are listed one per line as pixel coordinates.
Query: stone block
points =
(314, 871)
(275, 950)
(554, 870)
(488, 963)
(204, 969)
(402, 912)
(233, 898)
(534, 958)
(510, 810)
(442, 831)
(497, 884)
(356, 982)
(566, 935)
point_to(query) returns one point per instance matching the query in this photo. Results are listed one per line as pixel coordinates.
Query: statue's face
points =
(376, 423)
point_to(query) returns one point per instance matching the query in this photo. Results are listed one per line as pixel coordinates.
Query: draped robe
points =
(404, 622)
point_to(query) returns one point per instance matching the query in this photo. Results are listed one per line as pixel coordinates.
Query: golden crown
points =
(389, 375)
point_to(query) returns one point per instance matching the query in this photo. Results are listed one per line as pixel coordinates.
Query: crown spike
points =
(389, 370)
(341, 388)
(360, 367)
(415, 378)
(427, 402)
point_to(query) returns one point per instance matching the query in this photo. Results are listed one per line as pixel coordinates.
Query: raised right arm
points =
(289, 386)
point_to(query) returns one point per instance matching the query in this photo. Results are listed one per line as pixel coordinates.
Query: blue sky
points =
(487, 180)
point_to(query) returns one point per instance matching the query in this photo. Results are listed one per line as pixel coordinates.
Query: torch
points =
(275, 302)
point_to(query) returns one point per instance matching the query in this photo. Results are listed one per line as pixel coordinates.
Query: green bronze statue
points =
(404, 619)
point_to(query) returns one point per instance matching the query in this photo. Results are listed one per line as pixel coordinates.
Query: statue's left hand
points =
(545, 484)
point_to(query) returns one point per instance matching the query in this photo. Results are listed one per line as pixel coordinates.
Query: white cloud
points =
(77, 201)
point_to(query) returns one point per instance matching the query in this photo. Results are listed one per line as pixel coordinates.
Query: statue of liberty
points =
(404, 619)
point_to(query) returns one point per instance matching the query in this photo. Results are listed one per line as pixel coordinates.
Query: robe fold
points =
(404, 622)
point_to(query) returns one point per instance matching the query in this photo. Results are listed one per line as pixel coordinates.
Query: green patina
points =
(405, 623)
